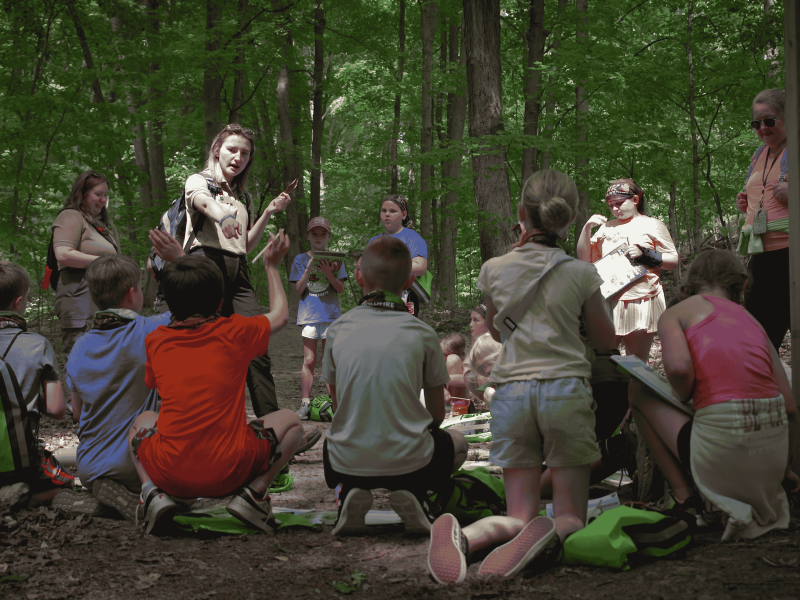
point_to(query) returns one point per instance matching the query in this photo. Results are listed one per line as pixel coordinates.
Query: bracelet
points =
(223, 218)
(649, 258)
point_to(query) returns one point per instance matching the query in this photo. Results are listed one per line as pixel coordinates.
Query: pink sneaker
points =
(446, 559)
(510, 558)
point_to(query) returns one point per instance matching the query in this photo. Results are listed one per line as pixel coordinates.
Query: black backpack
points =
(173, 221)
(18, 453)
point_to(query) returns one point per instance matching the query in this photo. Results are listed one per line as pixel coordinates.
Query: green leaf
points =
(348, 588)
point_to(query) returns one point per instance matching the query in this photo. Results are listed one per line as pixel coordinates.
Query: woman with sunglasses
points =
(82, 232)
(222, 226)
(634, 310)
(765, 235)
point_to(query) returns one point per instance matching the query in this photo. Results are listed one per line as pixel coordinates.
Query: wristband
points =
(649, 258)
(223, 218)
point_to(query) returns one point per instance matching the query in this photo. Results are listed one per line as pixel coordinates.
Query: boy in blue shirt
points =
(319, 287)
(106, 371)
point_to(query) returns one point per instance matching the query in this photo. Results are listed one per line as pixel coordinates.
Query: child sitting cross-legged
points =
(377, 358)
(200, 443)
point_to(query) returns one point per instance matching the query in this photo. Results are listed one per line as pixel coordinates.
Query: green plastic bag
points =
(610, 538)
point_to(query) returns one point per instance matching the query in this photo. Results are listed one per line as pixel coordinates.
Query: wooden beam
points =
(791, 21)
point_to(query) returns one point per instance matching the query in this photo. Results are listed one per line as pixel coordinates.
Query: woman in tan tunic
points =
(82, 232)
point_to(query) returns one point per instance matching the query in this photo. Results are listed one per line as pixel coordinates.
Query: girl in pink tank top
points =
(718, 356)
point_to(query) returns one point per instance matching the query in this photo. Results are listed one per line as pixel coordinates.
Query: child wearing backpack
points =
(319, 284)
(106, 370)
(30, 362)
(377, 359)
(542, 408)
(200, 444)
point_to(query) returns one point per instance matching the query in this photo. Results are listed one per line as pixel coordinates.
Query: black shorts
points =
(429, 478)
(684, 444)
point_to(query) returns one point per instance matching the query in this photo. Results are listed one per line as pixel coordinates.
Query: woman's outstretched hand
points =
(276, 249)
(279, 203)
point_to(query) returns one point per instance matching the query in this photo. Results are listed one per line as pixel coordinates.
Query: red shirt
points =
(204, 446)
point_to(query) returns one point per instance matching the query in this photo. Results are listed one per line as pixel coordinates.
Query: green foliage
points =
(633, 68)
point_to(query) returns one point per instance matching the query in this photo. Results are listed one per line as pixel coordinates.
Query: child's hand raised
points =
(276, 249)
(166, 246)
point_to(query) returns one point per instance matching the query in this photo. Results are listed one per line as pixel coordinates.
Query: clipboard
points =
(617, 271)
(655, 381)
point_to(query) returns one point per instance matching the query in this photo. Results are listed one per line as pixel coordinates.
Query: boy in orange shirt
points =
(200, 443)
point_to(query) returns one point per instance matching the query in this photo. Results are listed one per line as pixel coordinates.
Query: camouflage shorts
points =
(142, 434)
(267, 433)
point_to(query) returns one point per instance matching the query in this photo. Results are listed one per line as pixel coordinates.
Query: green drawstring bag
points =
(610, 538)
(471, 495)
(321, 409)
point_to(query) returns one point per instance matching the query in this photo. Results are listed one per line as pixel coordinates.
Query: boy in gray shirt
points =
(377, 358)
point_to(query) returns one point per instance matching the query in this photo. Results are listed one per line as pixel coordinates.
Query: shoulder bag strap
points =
(201, 218)
(11, 343)
(510, 322)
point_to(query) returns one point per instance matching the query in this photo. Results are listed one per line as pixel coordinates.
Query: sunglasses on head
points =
(768, 122)
(237, 128)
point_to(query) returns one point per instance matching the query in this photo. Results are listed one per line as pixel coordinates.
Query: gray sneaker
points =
(157, 508)
(353, 512)
(252, 511)
(411, 512)
(80, 502)
(112, 493)
(303, 412)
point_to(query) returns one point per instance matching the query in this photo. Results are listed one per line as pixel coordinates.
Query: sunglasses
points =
(768, 122)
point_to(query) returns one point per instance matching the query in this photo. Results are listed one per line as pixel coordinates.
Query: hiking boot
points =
(303, 412)
(353, 512)
(309, 441)
(414, 518)
(252, 511)
(510, 558)
(157, 509)
(75, 502)
(447, 556)
(115, 495)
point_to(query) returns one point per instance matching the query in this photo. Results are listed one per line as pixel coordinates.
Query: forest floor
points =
(45, 554)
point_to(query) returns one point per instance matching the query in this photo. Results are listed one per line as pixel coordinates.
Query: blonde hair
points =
(550, 199)
(482, 356)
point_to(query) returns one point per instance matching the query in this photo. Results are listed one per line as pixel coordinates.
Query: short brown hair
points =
(14, 283)
(110, 278)
(192, 285)
(386, 264)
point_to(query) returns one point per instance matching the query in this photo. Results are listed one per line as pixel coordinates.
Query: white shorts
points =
(316, 331)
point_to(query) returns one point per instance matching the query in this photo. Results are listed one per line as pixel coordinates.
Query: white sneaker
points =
(303, 412)
(352, 513)
(411, 512)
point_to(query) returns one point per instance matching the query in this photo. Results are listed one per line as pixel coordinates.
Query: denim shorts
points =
(316, 331)
(550, 420)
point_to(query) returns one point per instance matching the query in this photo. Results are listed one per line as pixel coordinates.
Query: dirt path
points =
(63, 557)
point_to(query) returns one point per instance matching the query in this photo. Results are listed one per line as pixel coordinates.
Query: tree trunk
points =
(550, 107)
(292, 168)
(673, 223)
(317, 125)
(158, 177)
(212, 79)
(396, 123)
(582, 163)
(239, 74)
(430, 15)
(697, 226)
(533, 83)
(456, 115)
(484, 82)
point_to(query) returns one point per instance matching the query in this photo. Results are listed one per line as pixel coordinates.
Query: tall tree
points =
(456, 115)
(430, 15)
(484, 82)
(582, 163)
(533, 82)
(155, 93)
(212, 76)
(401, 46)
(317, 123)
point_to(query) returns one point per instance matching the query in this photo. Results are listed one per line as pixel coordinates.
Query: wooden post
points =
(791, 20)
